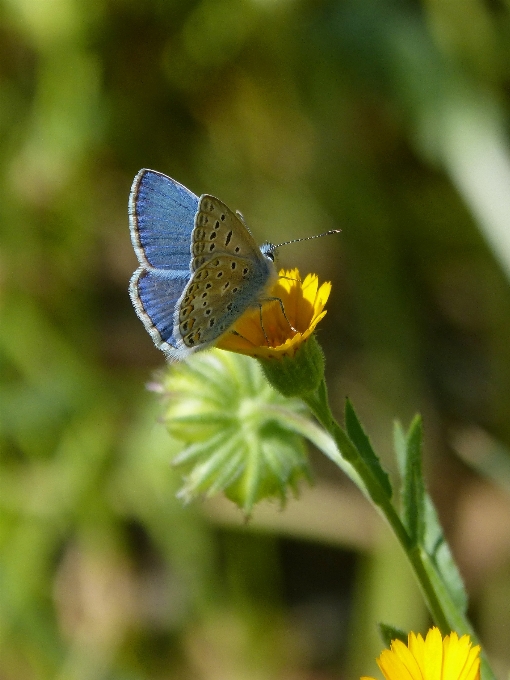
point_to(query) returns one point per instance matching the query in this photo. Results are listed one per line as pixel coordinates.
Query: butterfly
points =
(200, 268)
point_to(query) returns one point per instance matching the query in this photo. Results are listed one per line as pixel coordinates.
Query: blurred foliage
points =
(386, 118)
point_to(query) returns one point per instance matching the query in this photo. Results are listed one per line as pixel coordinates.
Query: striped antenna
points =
(306, 238)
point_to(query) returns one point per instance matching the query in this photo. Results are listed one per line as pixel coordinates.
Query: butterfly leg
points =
(242, 336)
(291, 278)
(277, 299)
(262, 324)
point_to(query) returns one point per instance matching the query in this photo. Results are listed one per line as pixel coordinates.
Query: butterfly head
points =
(268, 250)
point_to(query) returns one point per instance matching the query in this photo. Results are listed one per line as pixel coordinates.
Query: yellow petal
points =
(433, 659)
(461, 660)
(393, 668)
(407, 658)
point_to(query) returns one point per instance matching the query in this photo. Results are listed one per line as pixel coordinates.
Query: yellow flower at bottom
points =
(453, 658)
(303, 302)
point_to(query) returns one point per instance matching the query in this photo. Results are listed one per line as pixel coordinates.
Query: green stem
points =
(444, 612)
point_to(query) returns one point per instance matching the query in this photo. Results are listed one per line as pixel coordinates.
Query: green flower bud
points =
(238, 434)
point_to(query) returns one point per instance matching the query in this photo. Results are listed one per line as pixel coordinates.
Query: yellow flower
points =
(277, 336)
(453, 658)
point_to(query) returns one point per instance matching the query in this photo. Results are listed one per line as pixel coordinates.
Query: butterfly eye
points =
(270, 256)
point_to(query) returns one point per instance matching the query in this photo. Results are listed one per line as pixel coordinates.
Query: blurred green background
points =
(388, 119)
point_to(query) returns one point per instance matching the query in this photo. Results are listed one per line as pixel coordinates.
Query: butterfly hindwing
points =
(155, 294)
(216, 297)
(162, 218)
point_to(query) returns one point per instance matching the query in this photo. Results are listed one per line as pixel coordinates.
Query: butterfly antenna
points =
(306, 238)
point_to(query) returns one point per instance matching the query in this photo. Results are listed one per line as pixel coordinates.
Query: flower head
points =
(283, 324)
(434, 658)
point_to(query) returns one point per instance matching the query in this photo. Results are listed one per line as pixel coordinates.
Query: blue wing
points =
(161, 219)
(154, 294)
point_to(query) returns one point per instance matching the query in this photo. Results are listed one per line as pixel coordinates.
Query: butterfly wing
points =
(220, 231)
(200, 267)
(229, 275)
(161, 220)
(155, 294)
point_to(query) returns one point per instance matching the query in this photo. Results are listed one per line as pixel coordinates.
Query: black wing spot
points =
(213, 233)
(233, 265)
(237, 249)
(222, 217)
(219, 275)
(204, 303)
(245, 271)
(208, 285)
(185, 312)
(229, 306)
(228, 237)
(216, 263)
(208, 311)
(234, 290)
(204, 295)
(212, 322)
(217, 225)
(212, 247)
(226, 285)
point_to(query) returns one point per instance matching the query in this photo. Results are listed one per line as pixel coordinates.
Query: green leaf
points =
(400, 446)
(413, 488)
(362, 443)
(389, 633)
(439, 552)
(420, 517)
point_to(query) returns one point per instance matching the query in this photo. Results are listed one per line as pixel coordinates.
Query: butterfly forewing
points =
(220, 231)
(161, 216)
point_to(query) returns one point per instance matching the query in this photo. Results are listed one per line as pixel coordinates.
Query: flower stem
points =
(444, 612)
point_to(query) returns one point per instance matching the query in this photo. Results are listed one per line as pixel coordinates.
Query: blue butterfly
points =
(200, 268)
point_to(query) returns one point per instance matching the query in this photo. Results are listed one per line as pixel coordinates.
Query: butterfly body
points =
(200, 268)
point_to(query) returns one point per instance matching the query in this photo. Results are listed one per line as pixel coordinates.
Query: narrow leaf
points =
(413, 488)
(362, 443)
(420, 517)
(439, 552)
(400, 446)
(389, 633)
